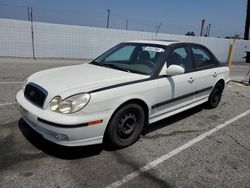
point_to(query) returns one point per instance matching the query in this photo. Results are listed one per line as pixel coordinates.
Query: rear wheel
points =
(126, 125)
(215, 96)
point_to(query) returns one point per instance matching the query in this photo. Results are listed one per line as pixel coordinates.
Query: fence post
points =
(230, 54)
(32, 33)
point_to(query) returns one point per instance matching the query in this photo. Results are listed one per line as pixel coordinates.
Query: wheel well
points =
(222, 82)
(141, 103)
(136, 101)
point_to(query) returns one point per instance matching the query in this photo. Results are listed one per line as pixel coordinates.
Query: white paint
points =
(8, 103)
(6, 122)
(165, 157)
(72, 41)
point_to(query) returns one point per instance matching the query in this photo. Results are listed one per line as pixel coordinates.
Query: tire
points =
(215, 96)
(126, 125)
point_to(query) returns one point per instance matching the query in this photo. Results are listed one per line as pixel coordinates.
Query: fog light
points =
(59, 136)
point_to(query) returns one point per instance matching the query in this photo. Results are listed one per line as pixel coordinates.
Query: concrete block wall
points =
(71, 41)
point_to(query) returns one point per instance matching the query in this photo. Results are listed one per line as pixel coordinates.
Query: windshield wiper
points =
(116, 67)
(96, 63)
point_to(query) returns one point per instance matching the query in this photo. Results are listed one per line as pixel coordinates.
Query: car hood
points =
(69, 80)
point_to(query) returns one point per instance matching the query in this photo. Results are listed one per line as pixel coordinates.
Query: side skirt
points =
(176, 111)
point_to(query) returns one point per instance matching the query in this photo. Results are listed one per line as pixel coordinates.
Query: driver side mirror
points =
(174, 70)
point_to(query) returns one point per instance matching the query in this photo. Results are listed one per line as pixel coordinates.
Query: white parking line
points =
(165, 157)
(6, 122)
(7, 103)
(11, 82)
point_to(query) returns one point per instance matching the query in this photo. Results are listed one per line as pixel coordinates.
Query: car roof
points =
(159, 42)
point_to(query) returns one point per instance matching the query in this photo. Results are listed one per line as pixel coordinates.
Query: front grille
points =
(35, 94)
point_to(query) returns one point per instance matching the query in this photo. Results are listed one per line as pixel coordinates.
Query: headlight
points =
(71, 104)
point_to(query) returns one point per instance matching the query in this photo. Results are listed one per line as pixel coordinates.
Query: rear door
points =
(206, 68)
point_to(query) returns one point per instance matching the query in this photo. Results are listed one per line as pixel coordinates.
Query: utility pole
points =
(126, 24)
(247, 24)
(209, 28)
(157, 29)
(108, 10)
(202, 27)
(206, 33)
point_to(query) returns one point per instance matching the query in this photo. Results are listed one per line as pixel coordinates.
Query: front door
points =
(175, 92)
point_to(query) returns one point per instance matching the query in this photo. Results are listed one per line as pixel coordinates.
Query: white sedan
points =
(122, 91)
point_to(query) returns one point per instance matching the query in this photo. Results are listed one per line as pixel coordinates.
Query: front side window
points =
(132, 57)
(201, 57)
(181, 57)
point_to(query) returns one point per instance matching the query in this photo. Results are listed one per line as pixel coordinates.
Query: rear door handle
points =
(214, 74)
(191, 80)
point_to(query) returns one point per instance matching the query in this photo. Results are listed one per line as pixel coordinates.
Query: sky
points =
(227, 17)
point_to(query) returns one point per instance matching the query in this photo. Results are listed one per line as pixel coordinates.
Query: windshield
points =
(132, 57)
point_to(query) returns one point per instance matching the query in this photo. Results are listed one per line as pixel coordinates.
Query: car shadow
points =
(58, 151)
(70, 153)
(172, 119)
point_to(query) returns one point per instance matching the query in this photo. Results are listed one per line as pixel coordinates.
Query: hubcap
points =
(127, 125)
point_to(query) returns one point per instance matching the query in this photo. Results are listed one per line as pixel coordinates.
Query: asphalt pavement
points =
(221, 159)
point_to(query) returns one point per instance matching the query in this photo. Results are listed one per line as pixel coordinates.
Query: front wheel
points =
(126, 125)
(215, 96)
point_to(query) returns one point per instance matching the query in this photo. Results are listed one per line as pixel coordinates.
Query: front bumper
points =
(64, 135)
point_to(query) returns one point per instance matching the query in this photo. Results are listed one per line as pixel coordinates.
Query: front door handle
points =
(191, 80)
(214, 74)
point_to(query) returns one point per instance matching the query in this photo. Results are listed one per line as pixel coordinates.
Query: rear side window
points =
(202, 58)
(181, 57)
